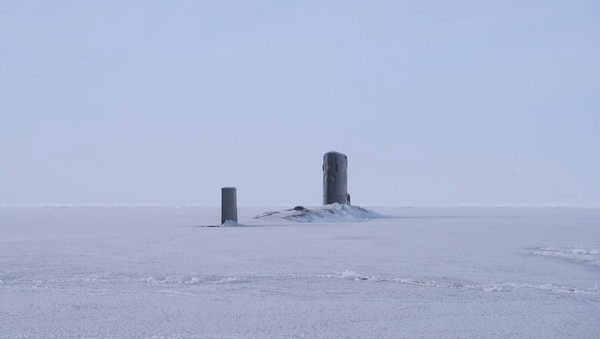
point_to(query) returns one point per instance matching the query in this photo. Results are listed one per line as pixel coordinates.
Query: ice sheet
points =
(433, 272)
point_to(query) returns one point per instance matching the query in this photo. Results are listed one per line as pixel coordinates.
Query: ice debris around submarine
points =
(327, 213)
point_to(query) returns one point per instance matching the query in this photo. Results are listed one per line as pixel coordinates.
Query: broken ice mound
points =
(328, 213)
(231, 223)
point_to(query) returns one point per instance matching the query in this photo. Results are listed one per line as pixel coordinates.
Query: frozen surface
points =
(153, 271)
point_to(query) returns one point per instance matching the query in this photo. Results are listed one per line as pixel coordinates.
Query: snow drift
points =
(327, 213)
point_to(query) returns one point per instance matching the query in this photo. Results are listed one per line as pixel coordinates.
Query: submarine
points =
(336, 199)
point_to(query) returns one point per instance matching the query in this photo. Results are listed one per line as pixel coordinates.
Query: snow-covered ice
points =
(120, 271)
(329, 213)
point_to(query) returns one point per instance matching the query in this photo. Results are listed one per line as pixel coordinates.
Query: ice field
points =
(421, 272)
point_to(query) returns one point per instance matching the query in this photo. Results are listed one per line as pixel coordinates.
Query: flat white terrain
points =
(153, 272)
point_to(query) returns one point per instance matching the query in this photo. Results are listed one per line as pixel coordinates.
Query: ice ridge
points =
(328, 213)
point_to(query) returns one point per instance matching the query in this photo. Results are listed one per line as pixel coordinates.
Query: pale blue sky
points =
(434, 102)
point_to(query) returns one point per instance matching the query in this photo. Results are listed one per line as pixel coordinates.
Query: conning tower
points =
(335, 178)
